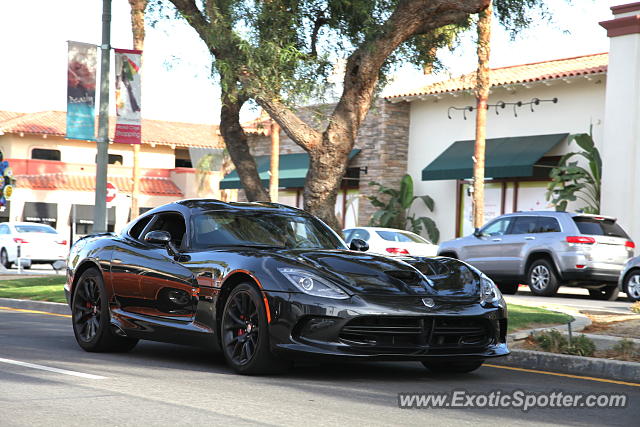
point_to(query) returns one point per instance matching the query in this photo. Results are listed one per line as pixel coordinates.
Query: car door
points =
(165, 287)
(522, 233)
(484, 251)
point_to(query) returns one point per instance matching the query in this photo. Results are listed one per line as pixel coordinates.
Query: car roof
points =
(556, 214)
(213, 204)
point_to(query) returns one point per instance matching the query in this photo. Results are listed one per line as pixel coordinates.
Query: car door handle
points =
(116, 261)
(529, 238)
(497, 240)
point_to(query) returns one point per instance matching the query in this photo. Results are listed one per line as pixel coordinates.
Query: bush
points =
(625, 348)
(635, 307)
(554, 342)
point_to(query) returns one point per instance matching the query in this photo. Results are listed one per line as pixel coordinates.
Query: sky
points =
(176, 76)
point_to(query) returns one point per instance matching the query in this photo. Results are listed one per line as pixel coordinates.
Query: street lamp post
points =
(100, 206)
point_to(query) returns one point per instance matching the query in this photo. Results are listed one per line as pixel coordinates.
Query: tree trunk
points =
(137, 26)
(483, 84)
(236, 142)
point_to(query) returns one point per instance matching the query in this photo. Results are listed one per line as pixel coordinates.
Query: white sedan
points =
(38, 243)
(390, 241)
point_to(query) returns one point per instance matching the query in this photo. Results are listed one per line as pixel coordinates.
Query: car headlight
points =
(489, 292)
(313, 284)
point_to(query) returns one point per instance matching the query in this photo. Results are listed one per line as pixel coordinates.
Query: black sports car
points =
(268, 283)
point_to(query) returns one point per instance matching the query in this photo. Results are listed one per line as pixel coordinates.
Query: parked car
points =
(391, 241)
(629, 282)
(38, 243)
(265, 283)
(546, 250)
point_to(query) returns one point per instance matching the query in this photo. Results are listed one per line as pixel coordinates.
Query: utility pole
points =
(100, 207)
(275, 162)
(483, 84)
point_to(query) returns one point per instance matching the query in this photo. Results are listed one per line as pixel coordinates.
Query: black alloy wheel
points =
(90, 316)
(244, 333)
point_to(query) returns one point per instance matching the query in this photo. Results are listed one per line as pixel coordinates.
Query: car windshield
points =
(261, 229)
(400, 236)
(599, 227)
(35, 229)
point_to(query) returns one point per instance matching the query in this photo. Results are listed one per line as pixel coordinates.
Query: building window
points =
(45, 154)
(114, 159)
(183, 159)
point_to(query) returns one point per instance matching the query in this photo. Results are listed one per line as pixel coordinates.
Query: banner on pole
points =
(81, 90)
(128, 129)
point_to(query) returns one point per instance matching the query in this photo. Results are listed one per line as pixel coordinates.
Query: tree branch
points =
(189, 10)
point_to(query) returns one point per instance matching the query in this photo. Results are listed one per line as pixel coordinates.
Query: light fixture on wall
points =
(501, 105)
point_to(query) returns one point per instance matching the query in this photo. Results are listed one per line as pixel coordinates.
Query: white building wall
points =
(580, 104)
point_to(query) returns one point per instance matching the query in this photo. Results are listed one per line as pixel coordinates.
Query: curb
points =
(51, 307)
(573, 365)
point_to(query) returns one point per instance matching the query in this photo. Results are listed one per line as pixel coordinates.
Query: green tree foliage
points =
(393, 206)
(571, 182)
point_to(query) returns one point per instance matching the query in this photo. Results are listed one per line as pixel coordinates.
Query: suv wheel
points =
(608, 293)
(631, 286)
(542, 279)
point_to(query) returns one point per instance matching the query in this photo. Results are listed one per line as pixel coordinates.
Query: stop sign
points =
(112, 192)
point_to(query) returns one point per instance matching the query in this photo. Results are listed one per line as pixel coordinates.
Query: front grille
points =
(416, 334)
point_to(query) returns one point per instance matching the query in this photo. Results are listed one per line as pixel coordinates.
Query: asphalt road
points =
(162, 384)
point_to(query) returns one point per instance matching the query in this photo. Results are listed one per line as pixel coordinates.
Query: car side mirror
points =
(159, 237)
(477, 233)
(359, 245)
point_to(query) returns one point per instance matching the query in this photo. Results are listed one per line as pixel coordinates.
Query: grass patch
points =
(46, 288)
(523, 317)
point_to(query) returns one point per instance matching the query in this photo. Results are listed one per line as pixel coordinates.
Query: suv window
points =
(599, 226)
(546, 224)
(4, 229)
(497, 227)
(524, 225)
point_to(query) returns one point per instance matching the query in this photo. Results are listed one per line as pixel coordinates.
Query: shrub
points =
(625, 348)
(635, 307)
(554, 342)
(581, 346)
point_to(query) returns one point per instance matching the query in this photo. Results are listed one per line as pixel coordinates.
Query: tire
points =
(453, 367)
(244, 333)
(608, 293)
(4, 258)
(631, 286)
(542, 279)
(90, 316)
(508, 288)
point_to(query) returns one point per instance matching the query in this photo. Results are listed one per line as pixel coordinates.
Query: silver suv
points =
(546, 249)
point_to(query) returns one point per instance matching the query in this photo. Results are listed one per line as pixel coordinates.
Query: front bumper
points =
(385, 328)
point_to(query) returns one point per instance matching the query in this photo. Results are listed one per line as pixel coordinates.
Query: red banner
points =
(128, 121)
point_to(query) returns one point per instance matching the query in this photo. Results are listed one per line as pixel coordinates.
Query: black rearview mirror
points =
(359, 245)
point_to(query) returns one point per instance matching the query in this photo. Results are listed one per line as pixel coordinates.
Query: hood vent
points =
(409, 277)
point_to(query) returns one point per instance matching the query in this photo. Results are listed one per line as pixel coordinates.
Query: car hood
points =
(370, 274)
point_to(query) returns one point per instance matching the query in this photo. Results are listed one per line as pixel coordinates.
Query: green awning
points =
(505, 157)
(292, 171)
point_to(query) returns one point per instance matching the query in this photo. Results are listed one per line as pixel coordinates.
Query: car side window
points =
(171, 222)
(524, 225)
(347, 235)
(547, 224)
(361, 234)
(137, 228)
(4, 229)
(497, 227)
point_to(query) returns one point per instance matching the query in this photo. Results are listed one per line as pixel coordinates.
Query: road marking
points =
(22, 310)
(47, 368)
(579, 377)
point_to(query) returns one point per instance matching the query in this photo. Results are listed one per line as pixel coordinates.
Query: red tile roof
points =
(526, 73)
(77, 182)
(153, 131)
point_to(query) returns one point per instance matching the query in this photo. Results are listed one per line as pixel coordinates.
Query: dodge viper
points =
(269, 284)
